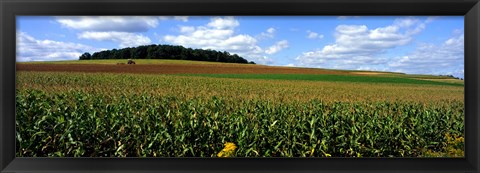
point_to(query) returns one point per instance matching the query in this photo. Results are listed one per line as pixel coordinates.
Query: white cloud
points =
(120, 29)
(123, 30)
(364, 51)
(277, 47)
(441, 59)
(271, 30)
(223, 22)
(187, 29)
(314, 35)
(351, 29)
(219, 34)
(114, 23)
(125, 39)
(406, 22)
(109, 23)
(181, 18)
(31, 49)
(357, 46)
(270, 33)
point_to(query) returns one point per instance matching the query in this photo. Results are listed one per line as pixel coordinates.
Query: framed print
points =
(239, 86)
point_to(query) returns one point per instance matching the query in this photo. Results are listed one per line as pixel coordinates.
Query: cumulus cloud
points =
(31, 49)
(114, 23)
(124, 30)
(314, 35)
(270, 33)
(223, 22)
(181, 18)
(277, 47)
(446, 58)
(219, 34)
(125, 39)
(109, 23)
(357, 46)
(361, 48)
(271, 30)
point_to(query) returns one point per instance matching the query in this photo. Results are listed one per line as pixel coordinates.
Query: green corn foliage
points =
(90, 121)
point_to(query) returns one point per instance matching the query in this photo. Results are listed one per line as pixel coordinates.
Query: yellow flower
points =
(228, 150)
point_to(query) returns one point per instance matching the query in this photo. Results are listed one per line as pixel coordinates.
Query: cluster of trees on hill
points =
(166, 52)
(451, 76)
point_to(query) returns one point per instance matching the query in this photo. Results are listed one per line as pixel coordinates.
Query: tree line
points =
(166, 52)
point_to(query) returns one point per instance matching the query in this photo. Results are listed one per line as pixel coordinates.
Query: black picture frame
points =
(470, 9)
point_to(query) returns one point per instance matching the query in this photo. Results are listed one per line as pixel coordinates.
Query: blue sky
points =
(408, 44)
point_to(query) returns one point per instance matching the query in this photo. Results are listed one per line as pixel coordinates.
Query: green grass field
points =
(262, 115)
(331, 78)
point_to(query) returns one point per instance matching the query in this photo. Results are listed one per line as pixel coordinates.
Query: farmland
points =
(171, 108)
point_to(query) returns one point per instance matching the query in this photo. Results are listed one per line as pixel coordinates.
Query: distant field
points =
(115, 61)
(190, 86)
(171, 67)
(160, 66)
(333, 78)
(171, 108)
(452, 81)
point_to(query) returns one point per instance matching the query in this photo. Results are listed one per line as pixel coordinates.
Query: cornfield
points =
(132, 115)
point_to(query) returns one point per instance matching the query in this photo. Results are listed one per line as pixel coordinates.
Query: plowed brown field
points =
(175, 69)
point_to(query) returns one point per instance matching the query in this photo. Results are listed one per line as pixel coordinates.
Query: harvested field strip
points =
(330, 77)
(138, 61)
(173, 69)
